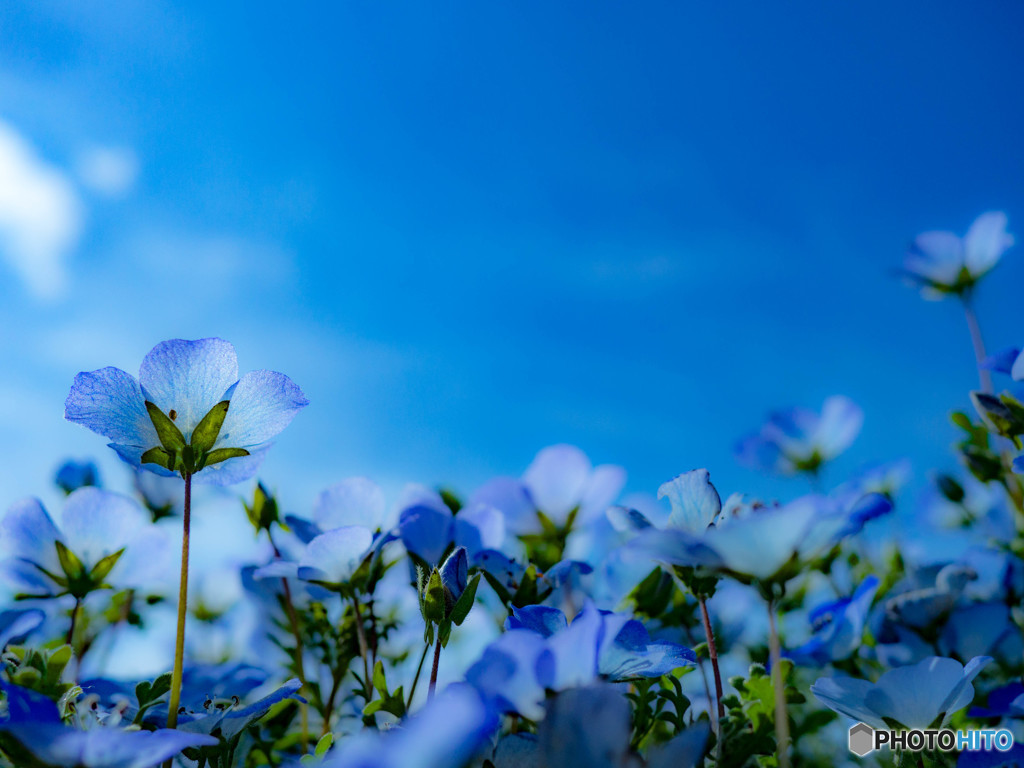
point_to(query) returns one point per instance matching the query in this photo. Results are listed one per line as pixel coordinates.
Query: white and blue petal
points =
(97, 523)
(985, 242)
(353, 501)
(262, 405)
(28, 534)
(110, 402)
(334, 556)
(557, 479)
(188, 377)
(695, 502)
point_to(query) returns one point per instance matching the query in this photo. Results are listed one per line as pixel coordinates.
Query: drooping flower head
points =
(942, 264)
(188, 412)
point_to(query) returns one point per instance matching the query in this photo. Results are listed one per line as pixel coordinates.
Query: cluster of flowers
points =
(551, 619)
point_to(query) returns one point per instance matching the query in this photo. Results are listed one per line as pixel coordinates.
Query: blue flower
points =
(428, 528)
(231, 719)
(922, 695)
(838, 627)
(96, 525)
(184, 381)
(941, 263)
(765, 542)
(73, 475)
(800, 440)
(1005, 701)
(16, 624)
(35, 724)
(1009, 361)
(446, 733)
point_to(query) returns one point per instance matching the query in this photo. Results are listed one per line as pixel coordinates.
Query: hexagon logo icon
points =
(862, 739)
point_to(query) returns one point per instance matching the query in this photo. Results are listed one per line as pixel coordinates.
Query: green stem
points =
(416, 679)
(713, 655)
(364, 650)
(433, 669)
(781, 715)
(293, 619)
(977, 342)
(70, 639)
(179, 644)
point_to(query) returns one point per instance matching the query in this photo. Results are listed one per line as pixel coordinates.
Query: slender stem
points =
(293, 619)
(329, 707)
(70, 639)
(713, 655)
(781, 715)
(416, 679)
(978, 342)
(433, 669)
(690, 642)
(363, 650)
(179, 645)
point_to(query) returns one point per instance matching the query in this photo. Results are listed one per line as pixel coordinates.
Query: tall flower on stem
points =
(943, 264)
(188, 414)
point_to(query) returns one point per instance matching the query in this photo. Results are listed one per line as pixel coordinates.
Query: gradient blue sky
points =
(470, 230)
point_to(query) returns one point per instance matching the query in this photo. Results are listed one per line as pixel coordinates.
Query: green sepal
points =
(464, 604)
(168, 432)
(264, 511)
(444, 632)
(160, 457)
(434, 598)
(69, 562)
(102, 569)
(206, 431)
(222, 454)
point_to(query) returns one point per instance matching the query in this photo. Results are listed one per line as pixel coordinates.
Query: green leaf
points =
(69, 562)
(433, 598)
(100, 571)
(464, 604)
(324, 744)
(168, 432)
(223, 454)
(160, 457)
(206, 431)
(379, 681)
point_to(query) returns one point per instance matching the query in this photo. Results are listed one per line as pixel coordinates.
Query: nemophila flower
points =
(104, 538)
(929, 594)
(73, 475)
(446, 733)
(764, 543)
(188, 412)
(598, 643)
(33, 731)
(941, 263)
(838, 627)
(919, 696)
(982, 629)
(428, 529)
(801, 440)
(227, 718)
(560, 483)
(1009, 361)
(1005, 701)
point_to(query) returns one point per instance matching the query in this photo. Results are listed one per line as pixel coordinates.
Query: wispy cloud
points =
(40, 216)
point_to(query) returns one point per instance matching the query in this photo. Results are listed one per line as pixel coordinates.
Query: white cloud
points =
(109, 171)
(40, 216)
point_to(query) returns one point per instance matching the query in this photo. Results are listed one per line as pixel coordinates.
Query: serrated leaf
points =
(168, 432)
(206, 431)
(464, 604)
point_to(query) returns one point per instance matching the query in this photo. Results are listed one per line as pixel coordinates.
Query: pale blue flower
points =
(185, 380)
(838, 627)
(95, 524)
(941, 263)
(801, 440)
(922, 695)
(34, 722)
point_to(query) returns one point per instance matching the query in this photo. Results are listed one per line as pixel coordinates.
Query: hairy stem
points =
(433, 669)
(70, 639)
(713, 655)
(781, 715)
(179, 643)
(984, 376)
(363, 650)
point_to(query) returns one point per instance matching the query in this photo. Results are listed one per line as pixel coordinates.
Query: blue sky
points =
(470, 230)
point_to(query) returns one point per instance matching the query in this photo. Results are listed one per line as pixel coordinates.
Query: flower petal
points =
(110, 402)
(262, 405)
(334, 556)
(695, 502)
(188, 377)
(97, 523)
(557, 479)
(985, 242)
(353, 501)
(27, 532)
